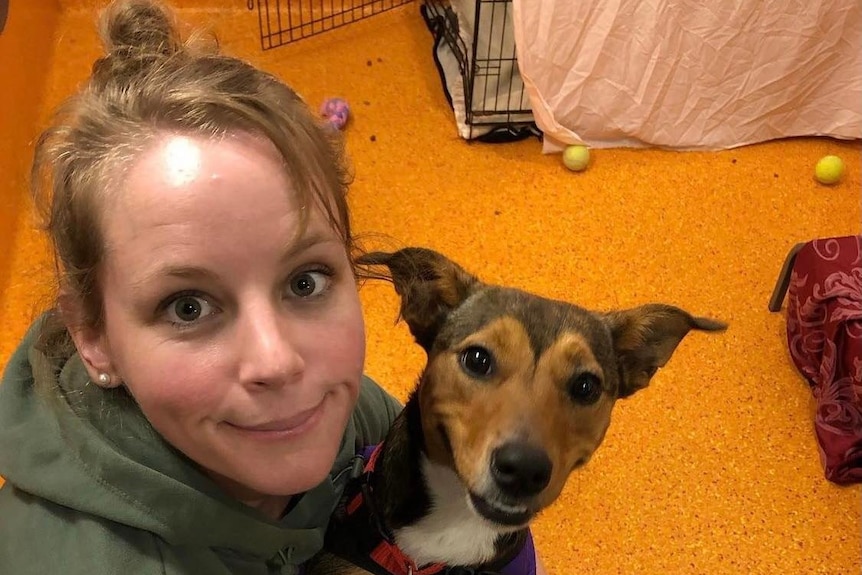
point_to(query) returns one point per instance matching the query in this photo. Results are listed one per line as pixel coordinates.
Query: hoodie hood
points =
(92, 450)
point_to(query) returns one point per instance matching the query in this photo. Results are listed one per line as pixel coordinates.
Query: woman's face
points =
(242, 344)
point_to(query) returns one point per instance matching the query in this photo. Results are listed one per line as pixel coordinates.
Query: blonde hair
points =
(150, 82)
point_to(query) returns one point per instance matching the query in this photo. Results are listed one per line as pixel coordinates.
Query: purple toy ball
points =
(336, 111)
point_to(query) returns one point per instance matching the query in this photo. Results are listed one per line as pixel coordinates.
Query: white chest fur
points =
(452, 533)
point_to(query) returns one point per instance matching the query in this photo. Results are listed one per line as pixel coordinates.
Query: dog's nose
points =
(520, 469)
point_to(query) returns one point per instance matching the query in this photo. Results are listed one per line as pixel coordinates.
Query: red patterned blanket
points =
(824, 333)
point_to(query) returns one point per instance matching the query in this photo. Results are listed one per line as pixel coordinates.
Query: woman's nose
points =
(269, 352)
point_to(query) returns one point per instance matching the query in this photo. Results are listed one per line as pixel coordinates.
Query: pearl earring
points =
(104, 379)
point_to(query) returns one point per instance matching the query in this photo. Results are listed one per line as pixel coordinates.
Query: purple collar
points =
(524, 562)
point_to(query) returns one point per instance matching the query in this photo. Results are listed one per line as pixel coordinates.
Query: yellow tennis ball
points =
(576, 158)
(829, 170)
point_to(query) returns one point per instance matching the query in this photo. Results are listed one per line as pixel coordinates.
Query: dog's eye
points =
(477, 361)
(585, 388)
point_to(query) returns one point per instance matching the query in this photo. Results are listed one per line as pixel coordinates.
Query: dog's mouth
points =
(501, 513)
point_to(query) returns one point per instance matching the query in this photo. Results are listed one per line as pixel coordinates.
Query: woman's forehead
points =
(185, 189)
(178, 169)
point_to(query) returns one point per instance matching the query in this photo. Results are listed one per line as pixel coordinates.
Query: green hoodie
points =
(93, 489)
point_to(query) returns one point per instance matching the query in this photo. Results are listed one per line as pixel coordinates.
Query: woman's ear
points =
(90, 341)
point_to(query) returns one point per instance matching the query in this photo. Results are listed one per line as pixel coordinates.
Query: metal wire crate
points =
(490, 100)
(285, 21)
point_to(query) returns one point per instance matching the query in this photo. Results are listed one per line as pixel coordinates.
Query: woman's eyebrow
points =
(186, 271)
(307, 241)
(172, 271)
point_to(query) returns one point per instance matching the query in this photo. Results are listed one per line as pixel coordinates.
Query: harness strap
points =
(393, 560)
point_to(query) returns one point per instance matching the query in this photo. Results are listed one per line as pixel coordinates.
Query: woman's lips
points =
(293, 425)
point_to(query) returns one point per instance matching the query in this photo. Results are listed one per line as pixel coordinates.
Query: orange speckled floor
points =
(713, 469)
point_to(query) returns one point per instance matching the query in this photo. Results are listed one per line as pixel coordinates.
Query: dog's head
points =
(518, 389)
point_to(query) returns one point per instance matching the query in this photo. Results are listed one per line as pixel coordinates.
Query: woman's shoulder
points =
(38, 536)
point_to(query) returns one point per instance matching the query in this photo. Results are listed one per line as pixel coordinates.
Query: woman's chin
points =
(280, 464)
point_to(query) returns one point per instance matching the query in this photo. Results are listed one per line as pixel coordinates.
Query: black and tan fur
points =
(487, 452)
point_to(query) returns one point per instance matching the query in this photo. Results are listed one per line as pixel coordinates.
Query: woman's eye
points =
(188, 308)
(307, 284)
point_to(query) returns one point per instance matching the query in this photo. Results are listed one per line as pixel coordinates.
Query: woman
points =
(187, 405)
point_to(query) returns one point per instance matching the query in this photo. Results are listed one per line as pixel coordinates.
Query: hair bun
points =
(139, 28)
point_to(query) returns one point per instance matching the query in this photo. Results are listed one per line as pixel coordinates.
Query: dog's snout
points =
(520, 469)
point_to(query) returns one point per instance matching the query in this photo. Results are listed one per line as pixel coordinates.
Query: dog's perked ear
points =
(645, 338)
(430, 286)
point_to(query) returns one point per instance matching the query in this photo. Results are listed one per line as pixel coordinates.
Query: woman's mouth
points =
(280, 428)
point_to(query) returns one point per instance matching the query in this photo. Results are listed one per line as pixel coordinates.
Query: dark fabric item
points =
(824, 334)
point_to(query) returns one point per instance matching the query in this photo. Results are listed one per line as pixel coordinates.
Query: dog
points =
(517, 393)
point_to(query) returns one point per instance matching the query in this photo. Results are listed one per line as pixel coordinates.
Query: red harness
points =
(387, 554)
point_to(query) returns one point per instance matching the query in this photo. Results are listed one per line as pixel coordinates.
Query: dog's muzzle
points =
(501, 513)
(519, 471)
